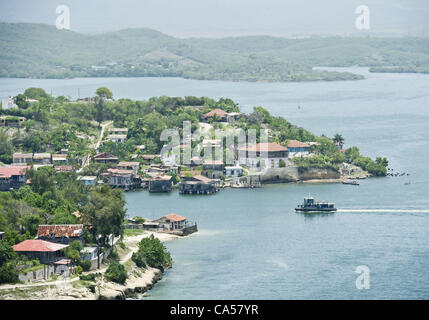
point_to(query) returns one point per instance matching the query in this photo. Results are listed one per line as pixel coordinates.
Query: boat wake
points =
(384, 210)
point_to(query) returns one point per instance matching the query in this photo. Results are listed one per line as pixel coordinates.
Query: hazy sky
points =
(219, 18)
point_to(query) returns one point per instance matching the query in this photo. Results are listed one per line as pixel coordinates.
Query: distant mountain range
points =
(42, 51)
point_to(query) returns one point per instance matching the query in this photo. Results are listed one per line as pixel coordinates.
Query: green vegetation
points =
(152, 252)
(8, 257)
(133, 232)
(42, 51)
(116, 272)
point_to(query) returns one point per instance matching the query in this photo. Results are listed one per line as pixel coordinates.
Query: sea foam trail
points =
(384, 210)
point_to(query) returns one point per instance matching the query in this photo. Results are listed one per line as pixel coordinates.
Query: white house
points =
(297, 148)
(262, 155)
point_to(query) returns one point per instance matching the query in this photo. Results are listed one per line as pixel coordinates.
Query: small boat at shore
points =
(352, 182)
(310, 205)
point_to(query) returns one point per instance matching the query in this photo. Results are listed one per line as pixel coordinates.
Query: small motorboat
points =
(352, 182)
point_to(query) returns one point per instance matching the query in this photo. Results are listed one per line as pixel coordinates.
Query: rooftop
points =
(217, 112)
(297, 144)
(175, 217)
(38, 246)
(263, 147)
(8, 172)
(60, 230)
(105, 155)
(128, 163)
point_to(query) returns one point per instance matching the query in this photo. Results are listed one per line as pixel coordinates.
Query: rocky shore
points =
(138, 282)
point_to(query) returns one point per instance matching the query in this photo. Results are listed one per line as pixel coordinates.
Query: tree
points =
(105, 211)
(73, 251)
(104, 92)
(8, 272)
(153, 253)
(338, 139)
(116, 272)
(35, 93)
(282, 163)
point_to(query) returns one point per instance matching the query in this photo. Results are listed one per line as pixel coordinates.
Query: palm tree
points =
(339, 140)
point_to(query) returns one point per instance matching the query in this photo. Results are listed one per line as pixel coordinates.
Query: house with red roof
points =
(297, 148)
(171, 222)
(262, 155)
(12, 177)
(217, 114)
(46, 252)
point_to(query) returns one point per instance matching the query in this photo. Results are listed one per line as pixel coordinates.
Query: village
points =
(103, 164)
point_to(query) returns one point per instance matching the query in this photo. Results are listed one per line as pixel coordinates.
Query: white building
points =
(262, 155)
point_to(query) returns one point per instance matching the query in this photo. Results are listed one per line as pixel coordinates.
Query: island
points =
(66, 163)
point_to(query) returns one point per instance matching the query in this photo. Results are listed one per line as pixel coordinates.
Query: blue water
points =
(251, 243)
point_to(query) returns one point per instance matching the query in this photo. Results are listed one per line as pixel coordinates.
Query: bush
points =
(154, 252)
(85, 265)
(122, 245)
(8, 273)
(88, 277)
(116, 272)
(78, 269)
(282, 163)
(138, 259)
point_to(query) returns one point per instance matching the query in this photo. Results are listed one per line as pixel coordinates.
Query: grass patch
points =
(133, 232)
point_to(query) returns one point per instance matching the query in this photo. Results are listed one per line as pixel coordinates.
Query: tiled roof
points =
(38, 246)
(22, 155)
(263, 147)
(175, 217)
(63, 168)
(128, 163)
(61, 230)
(105, 155)
(218, 112)
(8, 172)
(297, 144)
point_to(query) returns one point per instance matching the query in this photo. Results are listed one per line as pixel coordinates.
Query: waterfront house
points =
(42, 158)
(12, 177)
(59, 159)
(88, 180)
(129, 165)
(119, 178)
(297, 148)
(160, 183)
(213, 169)
(171, 222)
(216, 114)
(198, 184)
(233, 171)
(22, 158)
(105, 157)
(262, 155)
(11, 121)
(46, 252)
(61, 233)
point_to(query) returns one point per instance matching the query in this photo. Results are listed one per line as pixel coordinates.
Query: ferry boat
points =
(310, 205)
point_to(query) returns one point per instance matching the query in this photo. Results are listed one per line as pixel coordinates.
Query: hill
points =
(42, 51)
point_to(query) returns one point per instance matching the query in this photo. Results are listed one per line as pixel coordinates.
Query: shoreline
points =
(139, 281)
